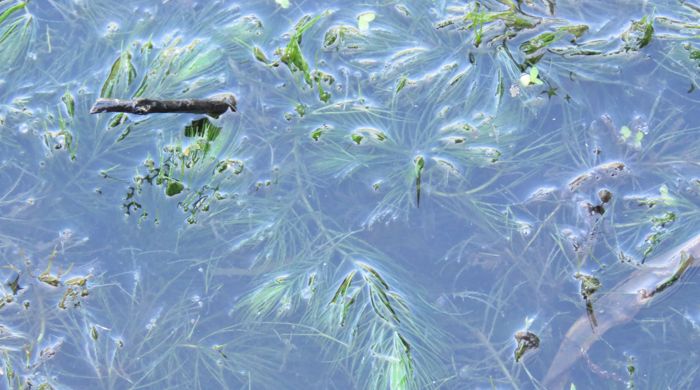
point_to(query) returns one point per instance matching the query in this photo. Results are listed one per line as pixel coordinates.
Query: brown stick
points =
(213, 107)
(619, 306)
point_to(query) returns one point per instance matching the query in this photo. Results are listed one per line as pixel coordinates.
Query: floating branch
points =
(213, 107)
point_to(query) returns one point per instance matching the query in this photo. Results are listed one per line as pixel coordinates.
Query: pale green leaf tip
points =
(364, 19)
(283, 3)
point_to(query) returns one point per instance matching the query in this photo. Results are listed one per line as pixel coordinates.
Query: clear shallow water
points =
(291, 251)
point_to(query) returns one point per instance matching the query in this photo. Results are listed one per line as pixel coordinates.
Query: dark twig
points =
(213, 107)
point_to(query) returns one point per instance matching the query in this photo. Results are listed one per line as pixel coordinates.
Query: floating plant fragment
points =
(357, 138)
(369, 133)
(174, 188)
(47, 277)
(260, 55)
(401, 83)
(202, 128)
(292, 55)
(660, 229)
(418, 165)
(611, 169)
(364, 19)
(639, 34)
(526, 341)
(321, 79)
(341, 296)
(316, 134)
(235, 166)
(686, 261)
(338, 37)
(631, 370)
(121, 74)
(14, 285)
(589, 285)
(627, 137)
(531, 78)
(69, 102)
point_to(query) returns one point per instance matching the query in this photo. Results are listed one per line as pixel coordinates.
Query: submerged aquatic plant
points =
(489, 115)
(17, 31)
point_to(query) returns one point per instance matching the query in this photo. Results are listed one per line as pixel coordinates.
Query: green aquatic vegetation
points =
(207, 349)
(660, 230)
(202, 128)
(535, 48)
(539, 42)
(17, 29)
(577, 30)
(174, 71)
(321, 79)
(695, 55)
(280, 195)
(686, 261)
(631, 371)
(191, 170)
(316, 134)
(419, 163)
(62, 138)
(356, 138)
(120, 77)
(173, 188)
(531, 78)
(260, 55)
(12, 9)
(69, 102)
(343, 38)
(292, 55)
(589, 286)
(639, 34)
(487, 24)
(368, 326)
(32, 342)
(364, 19)
(178, 70)
(401, 84)
(634, 141)
(526, 341)
(478, 144)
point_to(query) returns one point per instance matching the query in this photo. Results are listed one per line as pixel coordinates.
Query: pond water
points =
(490, 194)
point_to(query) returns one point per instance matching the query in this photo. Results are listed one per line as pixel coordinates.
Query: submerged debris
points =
(611, 169)
(685, 263)
(14, 285)
(527, 341)
(213, 107)
(605, 195)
